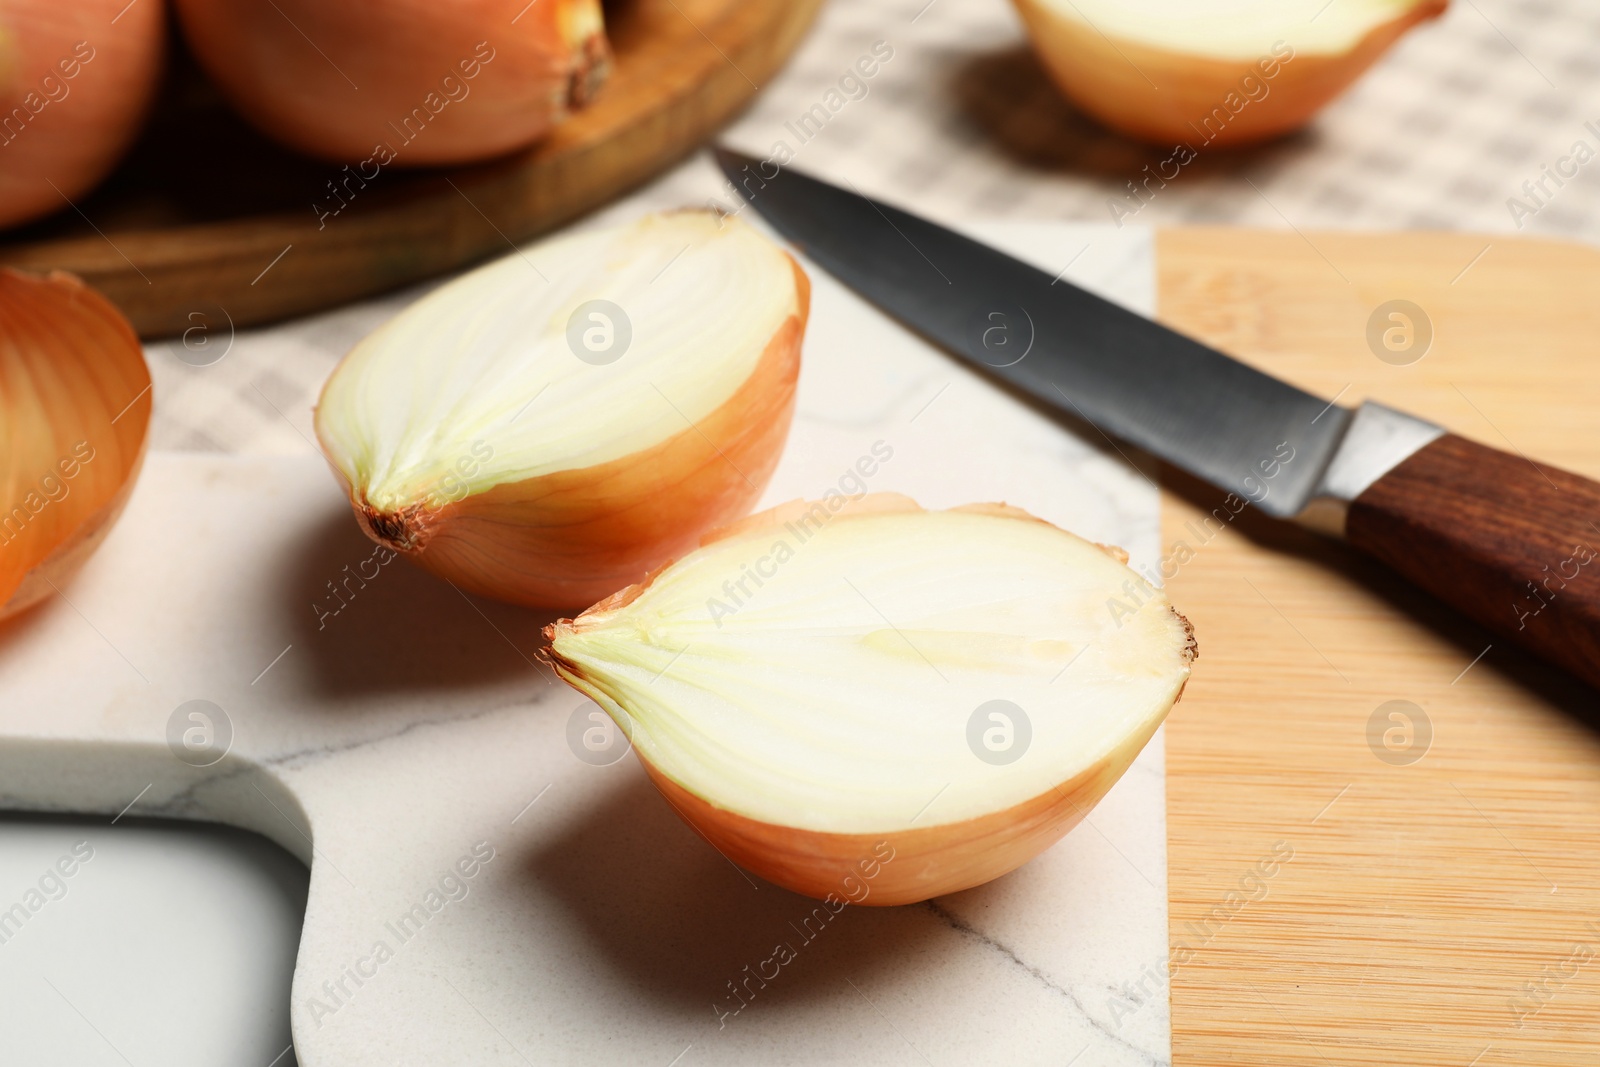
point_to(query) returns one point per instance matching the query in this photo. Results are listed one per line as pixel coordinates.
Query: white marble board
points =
(386, 743)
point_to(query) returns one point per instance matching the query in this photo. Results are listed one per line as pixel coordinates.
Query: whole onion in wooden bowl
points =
(403, 82)
(76, 79)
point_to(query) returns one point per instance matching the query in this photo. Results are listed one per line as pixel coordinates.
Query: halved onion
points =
(381, 82)
(74, 409)
(547, 428)
(75, 82)
(1212, 72)
(841, 694)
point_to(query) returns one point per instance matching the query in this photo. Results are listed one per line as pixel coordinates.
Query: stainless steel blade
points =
(1132, 378)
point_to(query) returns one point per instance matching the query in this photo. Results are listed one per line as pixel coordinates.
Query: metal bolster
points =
(1377, 441)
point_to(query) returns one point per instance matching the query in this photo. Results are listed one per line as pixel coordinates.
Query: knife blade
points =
(1476, 527)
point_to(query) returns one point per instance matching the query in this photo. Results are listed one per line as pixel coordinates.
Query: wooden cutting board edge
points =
(1327, 906)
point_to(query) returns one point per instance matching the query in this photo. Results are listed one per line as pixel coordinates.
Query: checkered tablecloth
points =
(961, 123)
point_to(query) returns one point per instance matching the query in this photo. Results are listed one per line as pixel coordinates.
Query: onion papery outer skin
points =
(1111, 79)
(567, 538)
(928, 861)
(73, 381)
(376, 63)
(84, 123)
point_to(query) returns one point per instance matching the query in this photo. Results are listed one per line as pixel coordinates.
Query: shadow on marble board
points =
(677, 922)
(372, 628)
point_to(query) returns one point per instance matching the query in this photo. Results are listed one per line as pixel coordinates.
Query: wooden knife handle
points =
(1514, 546)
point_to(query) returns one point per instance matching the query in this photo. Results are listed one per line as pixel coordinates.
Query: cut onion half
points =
(877, 695)
(1212, 72)
(74, 411)
(548, 428)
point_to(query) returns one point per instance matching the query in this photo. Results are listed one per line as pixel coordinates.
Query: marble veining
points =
(410, 737)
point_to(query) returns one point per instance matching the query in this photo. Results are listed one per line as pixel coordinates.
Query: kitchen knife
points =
(1507, 542)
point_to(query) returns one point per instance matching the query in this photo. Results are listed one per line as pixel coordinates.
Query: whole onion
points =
(406, 82)
(76, 79)
(74, 414)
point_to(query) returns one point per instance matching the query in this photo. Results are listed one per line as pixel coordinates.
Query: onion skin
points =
(928, 861)
(83, 124)
(1102, 76)
(73, 382)
(374, 61)
(569, 538)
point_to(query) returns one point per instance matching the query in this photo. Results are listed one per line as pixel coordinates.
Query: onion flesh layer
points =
(1237, 29)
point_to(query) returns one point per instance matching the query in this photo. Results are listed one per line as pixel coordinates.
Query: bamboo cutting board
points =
(1442, 901)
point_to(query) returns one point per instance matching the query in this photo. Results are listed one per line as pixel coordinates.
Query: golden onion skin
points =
(1161, 96)
(928, 862)
(373, 87)
(74, 93)
(75, 391)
